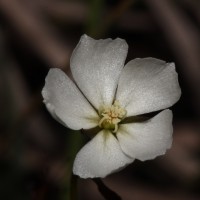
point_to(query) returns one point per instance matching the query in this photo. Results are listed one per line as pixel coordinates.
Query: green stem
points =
(94, 16)
(73, 187)
(112, 17)
(75, 142)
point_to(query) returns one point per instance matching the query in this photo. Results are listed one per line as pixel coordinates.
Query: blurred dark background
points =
(36, 152)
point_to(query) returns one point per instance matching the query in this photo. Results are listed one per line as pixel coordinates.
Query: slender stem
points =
(73, 187)
(75, 141)
(112, 17)
(95, 16)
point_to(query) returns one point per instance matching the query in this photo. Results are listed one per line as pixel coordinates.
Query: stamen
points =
(116, 128)
(111, 116)
(101, 121)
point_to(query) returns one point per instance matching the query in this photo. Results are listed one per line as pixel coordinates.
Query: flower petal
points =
(66, 103)
(100, 156)
(96, 66)
(148, 139)
(148, 85)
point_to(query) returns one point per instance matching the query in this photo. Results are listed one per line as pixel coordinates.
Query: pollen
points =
(111, 116)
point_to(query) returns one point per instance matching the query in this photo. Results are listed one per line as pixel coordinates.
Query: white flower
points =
(107, 93)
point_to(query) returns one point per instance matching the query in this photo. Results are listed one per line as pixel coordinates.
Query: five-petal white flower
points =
(107, 93)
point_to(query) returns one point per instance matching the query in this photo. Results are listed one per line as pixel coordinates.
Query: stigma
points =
(111, 116)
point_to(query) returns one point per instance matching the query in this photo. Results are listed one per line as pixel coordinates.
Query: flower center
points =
(111, 116)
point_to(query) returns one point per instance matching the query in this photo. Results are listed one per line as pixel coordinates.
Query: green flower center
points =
(111, 116)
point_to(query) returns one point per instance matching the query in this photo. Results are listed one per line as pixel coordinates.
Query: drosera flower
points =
(104, 95)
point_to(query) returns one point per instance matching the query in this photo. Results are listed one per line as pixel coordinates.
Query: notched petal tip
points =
(122, 44)
(173, 68)
(85, 38)
(177, 89)
(52, 73)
